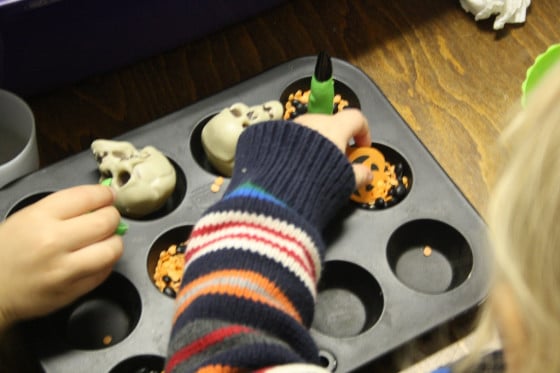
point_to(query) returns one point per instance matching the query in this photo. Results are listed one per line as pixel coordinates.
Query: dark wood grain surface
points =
(451, 78)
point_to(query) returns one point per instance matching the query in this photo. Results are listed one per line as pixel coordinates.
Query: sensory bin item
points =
(390, 274)
(221, 133)
(389, 184)
(321, 97)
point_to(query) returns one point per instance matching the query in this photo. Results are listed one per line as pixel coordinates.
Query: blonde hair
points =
(523, 219)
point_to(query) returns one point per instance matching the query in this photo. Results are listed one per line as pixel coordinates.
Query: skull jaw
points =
(223, 166)
(139, 202)
(219, 141)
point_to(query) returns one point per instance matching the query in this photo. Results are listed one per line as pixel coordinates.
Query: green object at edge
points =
(538, 70)
(121, 229)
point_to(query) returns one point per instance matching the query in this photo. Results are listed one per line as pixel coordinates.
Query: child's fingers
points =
(76, 201)
(90, 227)
(98, 257)
(362, 174)
(340, 128)
(85, 284)
(357, 126)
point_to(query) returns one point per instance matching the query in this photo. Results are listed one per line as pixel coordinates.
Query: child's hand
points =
(56, 250)
(340, 128)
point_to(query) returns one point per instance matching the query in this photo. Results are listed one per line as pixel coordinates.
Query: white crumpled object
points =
(507, 11)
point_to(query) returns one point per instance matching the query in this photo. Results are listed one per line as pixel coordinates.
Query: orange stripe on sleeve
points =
(280, 300)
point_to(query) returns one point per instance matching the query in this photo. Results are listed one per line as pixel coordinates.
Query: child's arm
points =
(254, 259)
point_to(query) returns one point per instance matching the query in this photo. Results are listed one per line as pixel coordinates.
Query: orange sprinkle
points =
(427, 251)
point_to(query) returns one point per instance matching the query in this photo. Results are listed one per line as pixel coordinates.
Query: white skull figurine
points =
(220, 134)
(143, 180)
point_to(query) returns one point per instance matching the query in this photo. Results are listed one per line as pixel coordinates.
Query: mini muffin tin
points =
(390, 274)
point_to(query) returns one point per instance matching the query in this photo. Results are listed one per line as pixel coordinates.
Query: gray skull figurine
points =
(220, 134)
(143, 179)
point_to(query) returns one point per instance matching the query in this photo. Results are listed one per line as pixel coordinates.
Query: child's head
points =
(524, 220)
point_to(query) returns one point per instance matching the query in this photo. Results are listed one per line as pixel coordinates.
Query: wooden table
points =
(451, 78)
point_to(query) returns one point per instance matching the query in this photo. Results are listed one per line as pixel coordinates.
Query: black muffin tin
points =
(378, 289)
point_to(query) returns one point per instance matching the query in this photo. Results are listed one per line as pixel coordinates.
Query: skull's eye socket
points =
(99, 156)
(123, 178)
(268, 110)
(236, 112)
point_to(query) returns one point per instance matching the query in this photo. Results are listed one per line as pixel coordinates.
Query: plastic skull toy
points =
(220, 134)
(143, 179)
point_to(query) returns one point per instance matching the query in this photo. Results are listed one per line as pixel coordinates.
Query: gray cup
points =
(18, 143)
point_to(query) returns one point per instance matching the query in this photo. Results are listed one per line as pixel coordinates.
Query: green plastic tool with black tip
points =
(322, 86)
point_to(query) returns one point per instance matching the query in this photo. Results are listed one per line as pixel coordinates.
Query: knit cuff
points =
(296, 165)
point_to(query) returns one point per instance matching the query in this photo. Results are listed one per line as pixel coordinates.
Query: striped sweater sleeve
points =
(254, 258)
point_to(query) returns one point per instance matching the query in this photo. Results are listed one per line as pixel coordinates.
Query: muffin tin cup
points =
(379, 289)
